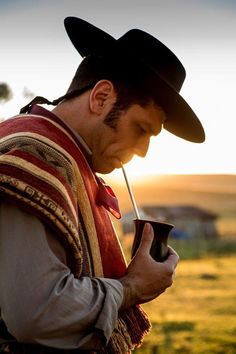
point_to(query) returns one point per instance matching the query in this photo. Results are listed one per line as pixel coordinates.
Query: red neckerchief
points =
(107, 198)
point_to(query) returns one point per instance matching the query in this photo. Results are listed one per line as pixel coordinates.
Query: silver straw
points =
(130, 193)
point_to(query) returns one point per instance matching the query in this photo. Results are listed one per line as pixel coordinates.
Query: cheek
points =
(104, 147)
(112, 144)
(117, 147)
(110, 150)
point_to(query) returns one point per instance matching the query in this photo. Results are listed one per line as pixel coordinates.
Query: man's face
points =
(130, 137)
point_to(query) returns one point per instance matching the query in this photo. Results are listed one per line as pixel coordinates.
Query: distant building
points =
(189, 221)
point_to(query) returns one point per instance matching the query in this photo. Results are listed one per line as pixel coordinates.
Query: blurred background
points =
(190, 185)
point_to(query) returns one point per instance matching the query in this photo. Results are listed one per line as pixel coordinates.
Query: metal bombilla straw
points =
(159, 248)
(130, 193)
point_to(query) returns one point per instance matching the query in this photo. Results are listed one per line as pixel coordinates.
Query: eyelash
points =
(141, 130)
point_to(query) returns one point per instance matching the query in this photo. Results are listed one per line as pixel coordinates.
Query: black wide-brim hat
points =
(168, 71)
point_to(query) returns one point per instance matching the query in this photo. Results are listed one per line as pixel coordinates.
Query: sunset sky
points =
(36, 54)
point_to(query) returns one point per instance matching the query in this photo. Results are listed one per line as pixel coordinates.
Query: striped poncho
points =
(45, 172)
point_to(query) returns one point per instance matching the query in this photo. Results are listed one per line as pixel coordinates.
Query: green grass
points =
(197, 315)
(199, 248)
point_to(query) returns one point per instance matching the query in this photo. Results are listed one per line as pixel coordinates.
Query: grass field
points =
(197, 315)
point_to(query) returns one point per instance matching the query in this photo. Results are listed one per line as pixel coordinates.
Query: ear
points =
(102, 97)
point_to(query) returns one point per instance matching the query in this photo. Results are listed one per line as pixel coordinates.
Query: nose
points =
(141, 147)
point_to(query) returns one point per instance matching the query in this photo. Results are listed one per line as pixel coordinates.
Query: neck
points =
(76, 114)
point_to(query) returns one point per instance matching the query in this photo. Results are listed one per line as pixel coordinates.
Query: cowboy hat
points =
(168, 72)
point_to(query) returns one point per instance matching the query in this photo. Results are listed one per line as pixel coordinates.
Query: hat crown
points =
(155, 54)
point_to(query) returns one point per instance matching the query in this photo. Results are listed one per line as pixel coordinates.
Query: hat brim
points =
(181, 119)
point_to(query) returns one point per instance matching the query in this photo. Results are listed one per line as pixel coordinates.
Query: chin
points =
(105, 168)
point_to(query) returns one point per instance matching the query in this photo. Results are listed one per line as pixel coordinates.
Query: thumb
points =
(147, 238)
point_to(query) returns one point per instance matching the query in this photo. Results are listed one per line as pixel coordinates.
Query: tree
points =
(5, 92)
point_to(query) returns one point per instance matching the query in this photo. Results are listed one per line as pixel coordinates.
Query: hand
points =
(145, 278)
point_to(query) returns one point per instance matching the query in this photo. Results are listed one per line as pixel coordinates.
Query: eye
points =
(141, 130)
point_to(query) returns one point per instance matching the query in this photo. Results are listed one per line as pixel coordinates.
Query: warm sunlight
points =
(52, 193)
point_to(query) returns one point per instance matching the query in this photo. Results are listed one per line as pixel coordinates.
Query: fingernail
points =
(147, 227)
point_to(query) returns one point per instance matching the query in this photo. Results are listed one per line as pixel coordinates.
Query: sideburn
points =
(111, 120)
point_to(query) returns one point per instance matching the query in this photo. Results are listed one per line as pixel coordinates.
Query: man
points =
(64, 283)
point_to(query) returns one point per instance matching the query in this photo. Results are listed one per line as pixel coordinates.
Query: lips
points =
(116, 162)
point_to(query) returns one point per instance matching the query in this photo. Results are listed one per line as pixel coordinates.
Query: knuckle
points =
(169, 280)
(170, 272)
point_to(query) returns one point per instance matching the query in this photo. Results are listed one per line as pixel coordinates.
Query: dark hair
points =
(132, 81)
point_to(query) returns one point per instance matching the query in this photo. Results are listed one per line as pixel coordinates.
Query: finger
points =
(147, 238)
(173, 258)
(171, 250)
